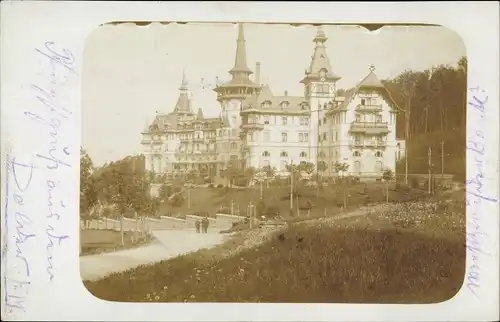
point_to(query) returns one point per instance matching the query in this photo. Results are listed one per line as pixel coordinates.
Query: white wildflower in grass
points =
(157, 298)
(192, 296)
(165, 287)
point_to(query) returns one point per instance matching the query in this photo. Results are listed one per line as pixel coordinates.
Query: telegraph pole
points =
(429, 165)
(442, 159)
(291, 187)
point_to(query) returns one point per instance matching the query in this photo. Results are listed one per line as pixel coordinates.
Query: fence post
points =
(121, 230)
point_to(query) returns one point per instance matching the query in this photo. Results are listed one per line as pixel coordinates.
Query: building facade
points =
(257, 128)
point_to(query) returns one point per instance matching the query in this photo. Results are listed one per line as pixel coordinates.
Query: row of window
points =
(283, 154)
(378, 154)
(284, 120)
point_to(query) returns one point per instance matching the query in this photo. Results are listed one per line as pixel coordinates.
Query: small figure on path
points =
(197, 224)
(205, 224)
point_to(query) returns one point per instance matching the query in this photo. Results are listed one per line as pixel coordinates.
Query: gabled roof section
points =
(296, 104)
(371, 81)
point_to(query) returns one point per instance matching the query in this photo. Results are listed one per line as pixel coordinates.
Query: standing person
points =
(205, 224)
(197, 224)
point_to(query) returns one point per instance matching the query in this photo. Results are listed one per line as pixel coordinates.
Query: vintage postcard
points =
(251, 163)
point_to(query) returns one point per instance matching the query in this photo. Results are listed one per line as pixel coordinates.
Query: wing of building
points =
(258, 128)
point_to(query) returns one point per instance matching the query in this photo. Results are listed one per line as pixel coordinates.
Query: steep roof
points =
(183, 104)
(319, 59)
(295, 103)
(371, 81)
(240, 60)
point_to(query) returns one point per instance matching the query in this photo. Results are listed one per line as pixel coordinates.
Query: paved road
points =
(168, 244)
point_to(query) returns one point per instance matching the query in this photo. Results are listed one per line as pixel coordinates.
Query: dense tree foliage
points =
(435, 103)
(124, 184)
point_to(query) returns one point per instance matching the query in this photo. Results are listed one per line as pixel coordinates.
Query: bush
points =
(272, 211)
(210, 185)
(219, 186)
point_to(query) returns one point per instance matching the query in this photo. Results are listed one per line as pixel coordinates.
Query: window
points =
(379, 118)
(358, 117)
(266, 154)
(284, 137)
(306, 137)
(284, 120)
(267, 136)
(378, 154)
(266, 119)
(363, 101)
(321, 154)
(319, 122)
(322, 88)
(356, 154)
(378, 166)
(283, 154)
(324, 120)
(301, 137)
(266, 104)
(324, 136)
(303, 155)
(234, 157)
(284, 105)
(234, 146)
(197, 147)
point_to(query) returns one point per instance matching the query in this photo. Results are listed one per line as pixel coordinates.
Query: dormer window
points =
(266, 104)
(284, 105)
(266, 154)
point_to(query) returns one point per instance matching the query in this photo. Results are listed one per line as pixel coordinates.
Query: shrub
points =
(210, 185)
(220, 186)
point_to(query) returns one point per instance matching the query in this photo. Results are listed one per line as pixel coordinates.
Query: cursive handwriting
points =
(16, 276)
(52, 116)
(475, 191)
(52, 237)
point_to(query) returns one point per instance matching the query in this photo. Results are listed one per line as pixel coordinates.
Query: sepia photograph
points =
(273, 163)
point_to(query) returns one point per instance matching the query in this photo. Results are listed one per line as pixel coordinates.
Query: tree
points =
(270, 173)
(322, 167)
(88, 192)
(387, 175)
(342, 168)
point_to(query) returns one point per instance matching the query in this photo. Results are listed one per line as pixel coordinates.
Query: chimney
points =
(257, 73)
(286, 93)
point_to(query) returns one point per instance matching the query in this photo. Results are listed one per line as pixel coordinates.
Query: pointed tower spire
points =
(184, 83)
(199, 116)
(240, 62)
(183, 104)
(320, 63)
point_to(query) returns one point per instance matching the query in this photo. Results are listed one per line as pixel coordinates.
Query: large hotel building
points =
(257, 128)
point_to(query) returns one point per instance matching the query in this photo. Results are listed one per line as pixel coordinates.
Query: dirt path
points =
(168, 244)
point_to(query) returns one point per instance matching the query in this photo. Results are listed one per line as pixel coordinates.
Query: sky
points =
(131, 72)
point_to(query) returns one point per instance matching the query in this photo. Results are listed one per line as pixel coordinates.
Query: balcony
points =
(367, 143)
(370, 128)
(369, 108)
(252, 126)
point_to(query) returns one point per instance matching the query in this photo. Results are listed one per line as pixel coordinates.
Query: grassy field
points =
(95, 241)
(409, 252)
(330, 198)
